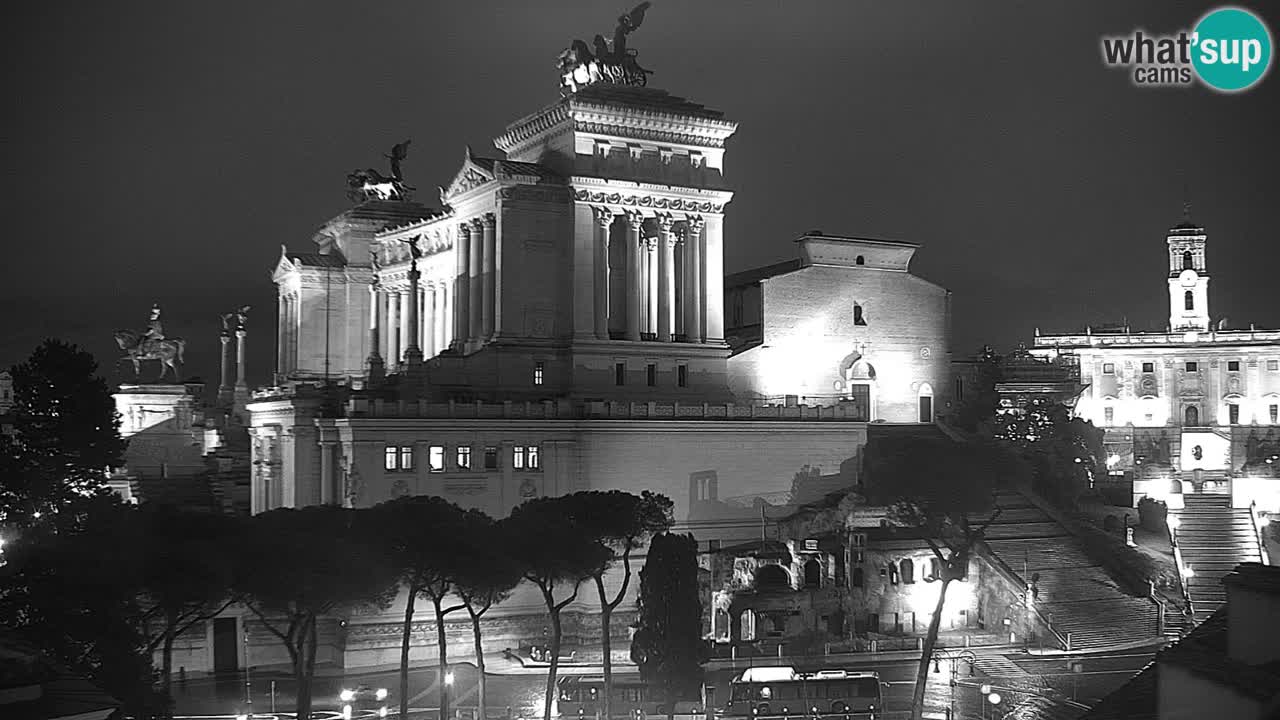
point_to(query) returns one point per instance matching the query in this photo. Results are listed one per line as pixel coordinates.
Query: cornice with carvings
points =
(645, 201)
(531, 126)
(527, 193)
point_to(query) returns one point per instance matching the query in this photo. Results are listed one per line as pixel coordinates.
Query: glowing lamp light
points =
(382, 711)
(985, 689)
(346, 712)
(448, 678)
(1113, 460)
(994, 698)
(1174, 522)
(1188, 572)
(381, 694)
(347, 695)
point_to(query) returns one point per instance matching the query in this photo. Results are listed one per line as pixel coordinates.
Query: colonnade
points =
(390, 312)
(661, 272)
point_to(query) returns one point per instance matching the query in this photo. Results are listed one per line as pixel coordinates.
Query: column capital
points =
(650, 243)
(635, 219)
(464, 228)
(241, 333)
(666, 222)
(695, 222)
(603, 215)
(477, 224)
(489, 220)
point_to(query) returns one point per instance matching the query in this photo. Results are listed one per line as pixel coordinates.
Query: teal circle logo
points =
(1231, 49)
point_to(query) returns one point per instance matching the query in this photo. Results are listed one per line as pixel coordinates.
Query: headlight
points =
(346, 712)
(382, 711)
(382, 693)
(347, 695)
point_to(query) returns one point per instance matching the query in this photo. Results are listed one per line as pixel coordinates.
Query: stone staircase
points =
(1073, 591)
(1213, 538)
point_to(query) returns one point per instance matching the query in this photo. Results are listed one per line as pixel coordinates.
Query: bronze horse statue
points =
(168, 351)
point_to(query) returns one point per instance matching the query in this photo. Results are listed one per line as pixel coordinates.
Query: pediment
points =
(469, 177)
(284, 266)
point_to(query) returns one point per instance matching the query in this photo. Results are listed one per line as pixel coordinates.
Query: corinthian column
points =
(224, 386)
(476, 282)
(489, 270)
(412, 323)
(666, 277)
(693, 248)
(376, 367)
(393, 327)
(429, 320)
(651, 285)
(713, 272)
(462, 288)
(282, 341)
(634, 222)
(604, 220)
(241, 334)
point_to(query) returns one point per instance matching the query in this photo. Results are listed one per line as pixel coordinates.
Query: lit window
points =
(389, 459)
(436, 458)
(1233, 365)
(1148, 367)
(464, 457)
(491, 458)
(651, 374)
(1193, 367)
(525, 457)
(682, 375)
(1108, 368)
(538, 369)
(406, 457)
(398, 458)
(620, 374)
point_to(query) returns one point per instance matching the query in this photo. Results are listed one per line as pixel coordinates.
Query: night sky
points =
(162, 151)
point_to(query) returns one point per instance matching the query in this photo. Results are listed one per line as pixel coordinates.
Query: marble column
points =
(448, 333)
(282, 325)
(413, 321)
(713, 273)
(693, 248)
(241, 385)
(404, 319)
(604, 221)
(462, 288)
(490, 274)
(328, 468)
(376, 367)
(651, 285)
(429, 320)
(666, 277)
(476, 282)
(224, 385)
(393, 328)
(634, 278)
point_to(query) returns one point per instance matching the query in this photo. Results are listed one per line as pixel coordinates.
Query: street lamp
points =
(952, 657)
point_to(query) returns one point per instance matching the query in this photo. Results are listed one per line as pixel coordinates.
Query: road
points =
(1030, 687)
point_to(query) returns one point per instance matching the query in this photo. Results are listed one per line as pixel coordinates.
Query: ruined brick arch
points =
(772, 577)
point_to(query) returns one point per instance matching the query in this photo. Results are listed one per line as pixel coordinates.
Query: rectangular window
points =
(525, 457)
(538, 369)
(1109, 416)
(1148, 367)
(1233, 366)
(1273, 365)
(406, 457)
(1274, 410)
(682, 375)
(1193, 367)
(1233, 412)
(619, 374)
(491, 458)
(464, 457)
(959, 388)
(1108, 368)
(651, 374)
(435, 458)
(390, 458)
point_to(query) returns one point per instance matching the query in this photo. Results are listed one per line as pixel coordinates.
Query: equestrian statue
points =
(151, 344)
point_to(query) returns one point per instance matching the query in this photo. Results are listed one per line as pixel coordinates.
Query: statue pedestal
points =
(164, 424)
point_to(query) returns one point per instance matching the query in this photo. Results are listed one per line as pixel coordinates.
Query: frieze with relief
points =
(648, 201)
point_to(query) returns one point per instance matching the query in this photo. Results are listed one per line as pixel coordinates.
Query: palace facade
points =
(1195, 408)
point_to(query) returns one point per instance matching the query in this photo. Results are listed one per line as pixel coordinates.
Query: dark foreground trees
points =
(668, 643)
(946, 491)
(302, 565)
(489, 574)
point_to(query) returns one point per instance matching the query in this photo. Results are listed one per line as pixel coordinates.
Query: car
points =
(362, 698)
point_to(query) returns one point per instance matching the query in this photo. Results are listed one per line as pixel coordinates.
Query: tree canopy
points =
(668, 643)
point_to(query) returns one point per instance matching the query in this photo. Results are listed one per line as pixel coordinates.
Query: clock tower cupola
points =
(1188, 276)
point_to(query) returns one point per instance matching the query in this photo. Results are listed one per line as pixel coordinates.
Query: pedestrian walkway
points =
(1213, 538)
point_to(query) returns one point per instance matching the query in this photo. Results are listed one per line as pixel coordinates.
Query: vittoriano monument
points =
(616, 64)
(151, 344)
(369, 184)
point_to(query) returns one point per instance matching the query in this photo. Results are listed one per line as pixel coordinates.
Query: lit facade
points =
(1193, 408)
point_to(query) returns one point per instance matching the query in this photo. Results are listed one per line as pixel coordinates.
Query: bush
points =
(1153, 514)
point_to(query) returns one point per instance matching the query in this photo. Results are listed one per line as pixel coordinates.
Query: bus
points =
(762, 692)
(582, 696)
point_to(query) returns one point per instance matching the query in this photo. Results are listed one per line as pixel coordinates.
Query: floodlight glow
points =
(382, 693)
(346, 712)
(347, 695)
(1188, 572)
(1173, 521)
(1113, 460)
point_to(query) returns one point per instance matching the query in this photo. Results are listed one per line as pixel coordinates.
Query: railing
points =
(1177, 560)
(1257, 532)
(564, 410)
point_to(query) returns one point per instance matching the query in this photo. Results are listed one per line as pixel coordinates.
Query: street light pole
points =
(248, 694)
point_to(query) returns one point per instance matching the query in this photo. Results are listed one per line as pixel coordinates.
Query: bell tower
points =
(1188, 276)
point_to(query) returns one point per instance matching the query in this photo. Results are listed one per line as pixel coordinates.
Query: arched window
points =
(857, 316)
(908, 570)
(859, 577)
(935, 569)
(860, 261)
(813, 574)
(1189, 300)
(1188, 262)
